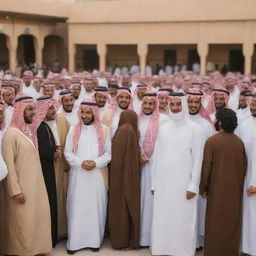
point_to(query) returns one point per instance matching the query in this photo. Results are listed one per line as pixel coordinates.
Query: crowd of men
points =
(165, 162)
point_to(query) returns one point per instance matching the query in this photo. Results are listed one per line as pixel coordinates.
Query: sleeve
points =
(103, 160)
(46, 149)
(72, 159)
(3, 167)
(206, 167)
(253, 176)
(197, 155)
(9, 155)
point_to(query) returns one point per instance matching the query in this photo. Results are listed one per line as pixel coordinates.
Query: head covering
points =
(153, 126)
(28, 73)
(101, 90)
(64, 93)
(2, 107)
(184, 113)
(42, 105)
(195, 92)
(18, 121)
(211, 106)
(99, 128)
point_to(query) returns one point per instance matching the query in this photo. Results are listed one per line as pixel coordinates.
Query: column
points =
(142, 51)
(12, 47)
(102, 52)
(39, 45)
(71, 57)
(202, 49)
(248, 49)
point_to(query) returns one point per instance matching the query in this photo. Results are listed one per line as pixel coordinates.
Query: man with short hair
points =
(29, 231)
(67, 109)
(222, 180)
(176, 170)
(123, 101)
(88, 152)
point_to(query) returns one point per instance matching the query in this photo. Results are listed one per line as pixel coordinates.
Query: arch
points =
(26, 53)
(4, 51)
(54, 52)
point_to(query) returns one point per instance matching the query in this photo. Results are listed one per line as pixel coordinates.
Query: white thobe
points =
(176, 169)
(207, 131)
(149, 71)
(233, 101)
(87, 192)
(102, 81)
(8, 115)
(3, 167)
(168, 70)
(115, 121)
(146, 205)
(242, 114)
(247, 132)
(72, 116)
(30, 91)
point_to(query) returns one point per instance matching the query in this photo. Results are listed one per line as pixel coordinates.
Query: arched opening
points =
(54, 53)
(26, 50)
(4, 52)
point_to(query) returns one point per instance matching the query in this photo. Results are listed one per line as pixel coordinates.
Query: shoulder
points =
(61, 118)
(10, 132)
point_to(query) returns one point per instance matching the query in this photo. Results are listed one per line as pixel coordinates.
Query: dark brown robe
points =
(124, 187)
(223, 172)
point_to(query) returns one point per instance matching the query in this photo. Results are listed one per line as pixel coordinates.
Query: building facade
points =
(83, 35)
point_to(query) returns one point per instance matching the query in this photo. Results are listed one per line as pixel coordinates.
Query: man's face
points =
(156, 83)
(37, 84)
(148, 106)
(48, 90)
(112, 91)
(126, 82)
(87, 115)
(1, 117)
(242, 101)
(29, 113)
(100, 100)
(57, 84)
(68, 103)
(51, 113)
(27, 80)
(230, 84)
(123, 100)
(88, 85)
(253, 108)
(194, 105)
(219, 100)
(8, 97)
(76, 89)
(163, 101)
(175, 105)
(141, 91)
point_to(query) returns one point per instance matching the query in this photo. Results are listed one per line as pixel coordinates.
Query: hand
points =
(190, 195)
(251, 191)
(57, 154)
(152, 192)
(143, 159)
(88, 165)
(19, 198)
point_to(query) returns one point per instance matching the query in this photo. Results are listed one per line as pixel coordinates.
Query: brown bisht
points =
(124, 187)
(223, 172)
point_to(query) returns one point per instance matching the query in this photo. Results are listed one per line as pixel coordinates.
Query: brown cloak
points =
(223, 172)
(124, 189)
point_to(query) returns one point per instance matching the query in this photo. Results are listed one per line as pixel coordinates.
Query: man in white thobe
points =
(148, 126)
(199, 116)
(3, 167)
(88, 152)
(247, 132)
(138, 94)
(67, 107)
(243, 111)
(176, 171)
(27, 86)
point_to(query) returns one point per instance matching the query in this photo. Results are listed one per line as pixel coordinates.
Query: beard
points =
(27, 120)
(193, 114)
(124, 108)
(89, 123)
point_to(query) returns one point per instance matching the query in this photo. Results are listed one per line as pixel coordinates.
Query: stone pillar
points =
(102, 52)
(71, 57)
(202, 49)
(142, 51)
(12, 47)
(248, 49)
(39, 45)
